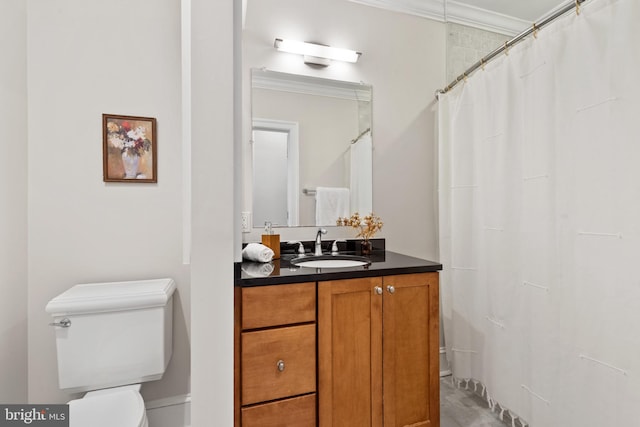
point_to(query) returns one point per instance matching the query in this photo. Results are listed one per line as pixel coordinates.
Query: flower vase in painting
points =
(131, 164)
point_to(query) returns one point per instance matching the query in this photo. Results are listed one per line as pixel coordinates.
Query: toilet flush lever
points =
(64, 323)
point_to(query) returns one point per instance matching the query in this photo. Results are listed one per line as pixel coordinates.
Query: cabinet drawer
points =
(296, 412)
(265, 306)
(263, 379)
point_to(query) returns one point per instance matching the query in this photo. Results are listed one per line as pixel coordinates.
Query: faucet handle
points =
(300, 245)
(334, 246)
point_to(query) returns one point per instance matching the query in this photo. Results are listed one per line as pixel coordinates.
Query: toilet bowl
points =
(110, 337)
(118, 406)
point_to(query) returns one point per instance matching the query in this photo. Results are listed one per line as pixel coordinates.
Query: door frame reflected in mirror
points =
(292, 170)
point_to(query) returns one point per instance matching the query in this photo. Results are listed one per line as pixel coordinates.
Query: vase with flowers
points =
(132, 143)
(367, 227)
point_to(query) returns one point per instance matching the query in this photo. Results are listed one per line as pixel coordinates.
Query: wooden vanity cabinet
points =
(275, 361)
(378, 352)
(376, 357)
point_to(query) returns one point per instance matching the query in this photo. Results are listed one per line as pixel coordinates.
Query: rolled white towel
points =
(257, 252)
(257, 269)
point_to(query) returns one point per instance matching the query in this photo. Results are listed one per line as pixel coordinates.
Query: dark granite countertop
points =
(281, 271)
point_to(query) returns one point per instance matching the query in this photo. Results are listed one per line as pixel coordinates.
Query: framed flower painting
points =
(129, 149)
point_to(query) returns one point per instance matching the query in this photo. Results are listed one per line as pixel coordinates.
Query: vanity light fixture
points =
(316, 54)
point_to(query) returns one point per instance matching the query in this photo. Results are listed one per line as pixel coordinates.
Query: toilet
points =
(110, 338)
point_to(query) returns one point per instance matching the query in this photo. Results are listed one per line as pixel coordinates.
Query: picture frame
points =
(129, 149)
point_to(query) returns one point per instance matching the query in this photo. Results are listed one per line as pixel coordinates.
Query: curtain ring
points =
(577, 7)
(506, 48)
(535, 31)
(482, 63)
(465, 77)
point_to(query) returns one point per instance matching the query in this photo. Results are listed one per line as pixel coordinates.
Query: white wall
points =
(215, 239)
(13, 202)
(85, 59)
(466, 46)
(403, 57)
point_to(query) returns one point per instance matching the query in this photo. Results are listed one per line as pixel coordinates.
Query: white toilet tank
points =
(117, 333)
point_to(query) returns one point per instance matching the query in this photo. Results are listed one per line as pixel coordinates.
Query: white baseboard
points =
(172, 411)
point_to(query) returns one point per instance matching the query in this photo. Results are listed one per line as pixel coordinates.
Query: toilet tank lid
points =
(113, 296)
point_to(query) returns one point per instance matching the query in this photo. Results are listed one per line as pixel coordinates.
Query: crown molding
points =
(273, 80)
(459, 13)
(472, 16)
(432, 9)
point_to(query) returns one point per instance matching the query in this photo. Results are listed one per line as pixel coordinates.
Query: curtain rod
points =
(574, 4)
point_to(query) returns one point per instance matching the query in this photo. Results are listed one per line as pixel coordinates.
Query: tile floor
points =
(463, 408)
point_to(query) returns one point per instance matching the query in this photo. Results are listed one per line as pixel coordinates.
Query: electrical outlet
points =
(246, 222)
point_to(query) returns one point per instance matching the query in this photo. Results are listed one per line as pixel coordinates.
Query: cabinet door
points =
(411, 350)
(350, 353)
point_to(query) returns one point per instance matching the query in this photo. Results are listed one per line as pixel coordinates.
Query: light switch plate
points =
(246, 222)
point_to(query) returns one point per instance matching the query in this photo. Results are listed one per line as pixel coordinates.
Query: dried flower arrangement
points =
(367, 226)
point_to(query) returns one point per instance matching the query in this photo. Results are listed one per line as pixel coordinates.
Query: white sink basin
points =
(330, 261)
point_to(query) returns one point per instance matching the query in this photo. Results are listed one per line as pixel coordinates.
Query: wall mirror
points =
(308, 132)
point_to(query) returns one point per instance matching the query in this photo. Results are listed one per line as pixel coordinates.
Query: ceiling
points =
(527, 10)
(508, 17)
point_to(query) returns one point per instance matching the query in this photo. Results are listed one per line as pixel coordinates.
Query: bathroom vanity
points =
(356, 346)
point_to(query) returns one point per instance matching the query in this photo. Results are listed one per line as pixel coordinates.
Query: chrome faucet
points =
(319, 234)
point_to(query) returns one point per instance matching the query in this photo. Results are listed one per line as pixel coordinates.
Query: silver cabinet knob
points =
(391, 289)
(280, 365)
(378, 290)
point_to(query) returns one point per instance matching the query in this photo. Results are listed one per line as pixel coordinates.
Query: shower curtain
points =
(539, 191)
